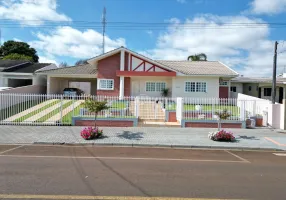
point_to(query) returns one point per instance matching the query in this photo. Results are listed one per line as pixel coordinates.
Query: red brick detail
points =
(104, 123)
(259, 122)
(212, 125)
(127, 86)
(107, 70)
(223, 92)
(135, 73)
(172, 117)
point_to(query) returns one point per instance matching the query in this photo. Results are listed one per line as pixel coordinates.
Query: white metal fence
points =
(33, 109)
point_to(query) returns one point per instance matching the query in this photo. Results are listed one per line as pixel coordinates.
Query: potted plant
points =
(165, 93)
(93, 106)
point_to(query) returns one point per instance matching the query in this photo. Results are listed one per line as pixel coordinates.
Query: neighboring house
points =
(258, 87)
(16, 73)
(122, 72)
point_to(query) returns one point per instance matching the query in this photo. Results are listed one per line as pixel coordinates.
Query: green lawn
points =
(17, 108)
(23, 118)
(54, 112)
(67, 119)
(119, 105)
(191, 107)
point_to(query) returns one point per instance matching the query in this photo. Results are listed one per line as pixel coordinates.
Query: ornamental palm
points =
(198, 57)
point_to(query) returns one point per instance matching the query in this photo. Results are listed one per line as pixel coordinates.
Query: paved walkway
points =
(144, 136)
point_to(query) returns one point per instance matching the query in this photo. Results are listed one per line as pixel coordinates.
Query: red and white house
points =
(122, 72)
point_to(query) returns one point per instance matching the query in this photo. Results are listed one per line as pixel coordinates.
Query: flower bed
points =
(90, 133)
(222, 135)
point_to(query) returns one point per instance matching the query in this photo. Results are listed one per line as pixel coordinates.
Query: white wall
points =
(138, 85)
(239, 89)
(276, 116)
(3, 81)
(40, 80)
(178, 87)
(7, 100)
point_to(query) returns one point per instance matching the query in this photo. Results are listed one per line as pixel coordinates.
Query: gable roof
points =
(205, 68)
(280, 80)
(18, 66)
(80, 69)
(199, 67)
(10, 63)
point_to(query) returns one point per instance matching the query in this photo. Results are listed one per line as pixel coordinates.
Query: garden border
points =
(78, 118)
(184, 121)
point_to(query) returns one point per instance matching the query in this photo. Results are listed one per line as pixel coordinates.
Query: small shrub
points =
(222, 136)
(90, 133)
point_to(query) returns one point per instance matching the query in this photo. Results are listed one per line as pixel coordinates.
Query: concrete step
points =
(158, 124)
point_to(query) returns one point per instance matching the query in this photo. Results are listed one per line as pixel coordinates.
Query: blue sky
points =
(247, 50)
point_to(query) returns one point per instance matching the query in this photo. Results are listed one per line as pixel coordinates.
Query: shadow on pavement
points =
(247, 137)
(131, 135)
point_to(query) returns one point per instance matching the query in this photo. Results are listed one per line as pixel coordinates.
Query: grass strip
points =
(67, 119)
(23, 118)
(17, 108)
(54, 112)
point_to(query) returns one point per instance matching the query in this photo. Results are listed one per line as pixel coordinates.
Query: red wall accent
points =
(107, 70)
(212, 125)
(134, 73)
(104, 123)
(172, 117)
(127, 86)
(223, 92)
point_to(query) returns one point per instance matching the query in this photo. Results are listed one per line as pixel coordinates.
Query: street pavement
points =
(89, 172)
(144, 136)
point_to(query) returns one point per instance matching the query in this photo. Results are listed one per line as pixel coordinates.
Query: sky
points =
(69, 30)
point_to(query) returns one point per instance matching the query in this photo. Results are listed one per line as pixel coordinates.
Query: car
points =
(70, 92)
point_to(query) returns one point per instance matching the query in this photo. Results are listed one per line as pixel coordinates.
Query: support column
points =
(229, 92)
(122, 63)
(284, 107)
(121, 88)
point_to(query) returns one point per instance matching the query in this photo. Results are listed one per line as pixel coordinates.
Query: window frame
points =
(222, 83)
(99, 85)
(264, 94)
(231, 88)
(155, 82)
(195, 88)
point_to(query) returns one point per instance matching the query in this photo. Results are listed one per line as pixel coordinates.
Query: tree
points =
(222, 115)
(198, 57)
(95, 107)
(22, 48)
(15, 56)
(81, 62)
(63, 64)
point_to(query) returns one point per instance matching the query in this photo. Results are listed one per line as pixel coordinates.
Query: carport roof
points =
(81, 69)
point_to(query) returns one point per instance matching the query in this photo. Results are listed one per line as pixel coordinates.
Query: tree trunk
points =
(95, 116)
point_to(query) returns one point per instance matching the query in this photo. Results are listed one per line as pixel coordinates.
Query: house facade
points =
(123, 72)
(17, 73)
(259, 87)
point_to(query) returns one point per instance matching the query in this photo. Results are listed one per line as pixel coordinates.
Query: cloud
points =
(268, 6)
(35, 12)
(67, 41)
(182, 1)
(248, 50)
(43, 59)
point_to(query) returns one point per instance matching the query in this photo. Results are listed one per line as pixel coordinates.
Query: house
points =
(259, 87)
(122, 72)
(18, 73)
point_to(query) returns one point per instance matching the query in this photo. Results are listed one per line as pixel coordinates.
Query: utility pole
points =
(273, 95)
(103, 29)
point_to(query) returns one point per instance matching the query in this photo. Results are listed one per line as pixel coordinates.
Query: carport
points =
(83, 77)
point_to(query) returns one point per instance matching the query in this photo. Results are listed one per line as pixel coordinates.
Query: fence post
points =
(136, 107)
(179, 109)
(61, 120)
(73, 106)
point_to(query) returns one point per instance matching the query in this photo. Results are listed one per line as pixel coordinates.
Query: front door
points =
(223, 92)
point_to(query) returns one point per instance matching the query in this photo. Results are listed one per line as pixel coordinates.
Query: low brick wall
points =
(171, 116)
(105, 122)
(213, 124)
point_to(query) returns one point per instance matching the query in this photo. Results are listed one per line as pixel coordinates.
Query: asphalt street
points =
(86, 172)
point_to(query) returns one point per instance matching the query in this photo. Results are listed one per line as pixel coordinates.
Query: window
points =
(195, 87)
(249, 88)
(105, 84)
(267, 92)
(223, 83)
(155, 86)
(233, 89)
(160, 87)
(201, 87)
(190, 87)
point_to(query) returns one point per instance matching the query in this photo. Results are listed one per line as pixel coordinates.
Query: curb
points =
(162, 146)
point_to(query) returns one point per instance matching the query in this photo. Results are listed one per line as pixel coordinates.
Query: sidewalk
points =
(144, 136)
